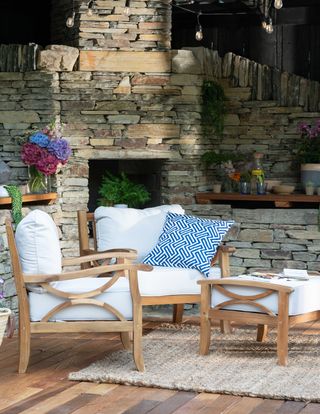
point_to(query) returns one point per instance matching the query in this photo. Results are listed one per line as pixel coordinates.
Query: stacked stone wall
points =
(268, 239)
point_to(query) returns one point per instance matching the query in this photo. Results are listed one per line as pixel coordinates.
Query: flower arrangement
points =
(309, 145)
(45, 152)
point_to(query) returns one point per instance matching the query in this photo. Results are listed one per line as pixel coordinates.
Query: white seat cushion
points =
(38, 244)
(163, 281)
(132, 228)
(117, 296)
(305, 297)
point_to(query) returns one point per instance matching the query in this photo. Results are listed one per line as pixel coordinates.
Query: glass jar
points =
(257, 175)
(38, 183)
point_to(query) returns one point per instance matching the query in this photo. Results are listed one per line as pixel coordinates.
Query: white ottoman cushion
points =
(132, 228)
(117, 296)
(305, 297)
(38, 244)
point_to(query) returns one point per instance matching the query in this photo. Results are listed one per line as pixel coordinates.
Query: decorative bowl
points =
(283, 189)
(271, 183)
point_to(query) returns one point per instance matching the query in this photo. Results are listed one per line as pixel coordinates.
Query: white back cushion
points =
(38, 244)
(132, 228)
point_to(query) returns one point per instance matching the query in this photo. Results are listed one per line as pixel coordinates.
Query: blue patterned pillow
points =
(188, 241)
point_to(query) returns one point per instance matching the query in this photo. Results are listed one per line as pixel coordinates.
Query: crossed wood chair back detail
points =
(123, 268)
(262, 316)
(86, 219)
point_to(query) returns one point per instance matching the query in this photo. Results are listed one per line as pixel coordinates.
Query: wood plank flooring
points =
(45, 388)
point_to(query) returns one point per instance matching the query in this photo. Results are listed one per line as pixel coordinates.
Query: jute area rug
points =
(236, 364)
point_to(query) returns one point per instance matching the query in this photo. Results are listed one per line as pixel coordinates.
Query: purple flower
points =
(40, 139)
(60, 148)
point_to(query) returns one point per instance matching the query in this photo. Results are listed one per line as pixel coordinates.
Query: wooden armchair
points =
(158, 294)
(74, 301)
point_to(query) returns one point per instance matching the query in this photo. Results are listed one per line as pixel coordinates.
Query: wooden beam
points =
(123, 61)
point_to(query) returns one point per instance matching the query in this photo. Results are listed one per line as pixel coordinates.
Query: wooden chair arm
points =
(91, 272)
(247, 283)
(227, 249)
(92, 255)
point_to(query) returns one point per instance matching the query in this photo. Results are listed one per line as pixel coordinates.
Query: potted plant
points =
(120, 190)
(308, 154)
(226, 172)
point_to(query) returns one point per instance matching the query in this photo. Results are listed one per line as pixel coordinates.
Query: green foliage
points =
(121, 190)
(216, 158)
(16, 196)
(213, 108)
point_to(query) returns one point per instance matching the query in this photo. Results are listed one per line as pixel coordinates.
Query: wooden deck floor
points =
(45, 388)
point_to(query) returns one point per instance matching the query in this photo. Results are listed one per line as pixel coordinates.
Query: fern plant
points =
(16, 197)
(121, 190)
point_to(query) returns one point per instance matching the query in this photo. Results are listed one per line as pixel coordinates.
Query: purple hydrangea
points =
(40, 139)
(60, 148)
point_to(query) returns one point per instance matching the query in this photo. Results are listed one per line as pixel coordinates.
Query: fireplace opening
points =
(146, 172)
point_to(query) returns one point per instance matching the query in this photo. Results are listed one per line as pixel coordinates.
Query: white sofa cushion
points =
(162, 281)
(305, 297)
(137, 229)
(38, 244)
(117, 296)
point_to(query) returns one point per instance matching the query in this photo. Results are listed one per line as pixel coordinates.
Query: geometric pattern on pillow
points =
(189, 242)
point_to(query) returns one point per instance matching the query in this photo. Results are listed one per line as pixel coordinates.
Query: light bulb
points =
(126, 11)
(264, 24)
(278, 4)
(199, 34)
(70, 20)
(269, 28)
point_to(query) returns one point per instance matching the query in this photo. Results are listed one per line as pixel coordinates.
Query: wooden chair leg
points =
(262, 333)
(205, 326)
(283, 328)
(24, 347)
(225, 327)
(126, 341)
(178, 313)
(137, 337)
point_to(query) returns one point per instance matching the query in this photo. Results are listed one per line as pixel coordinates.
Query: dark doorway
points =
(146, 172)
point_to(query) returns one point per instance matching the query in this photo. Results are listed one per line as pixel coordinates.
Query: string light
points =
(263, 8)
(70, 19)
(199, 33)
(278, 4)
(269, 26)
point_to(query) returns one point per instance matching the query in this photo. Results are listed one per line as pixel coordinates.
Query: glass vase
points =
(38, 182)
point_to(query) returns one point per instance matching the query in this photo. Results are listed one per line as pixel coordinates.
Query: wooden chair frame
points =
(263, 317)
(178, 301)
(123, 268)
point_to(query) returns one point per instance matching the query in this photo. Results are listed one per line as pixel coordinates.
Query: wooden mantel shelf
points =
(279, 200)
(47, 198)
